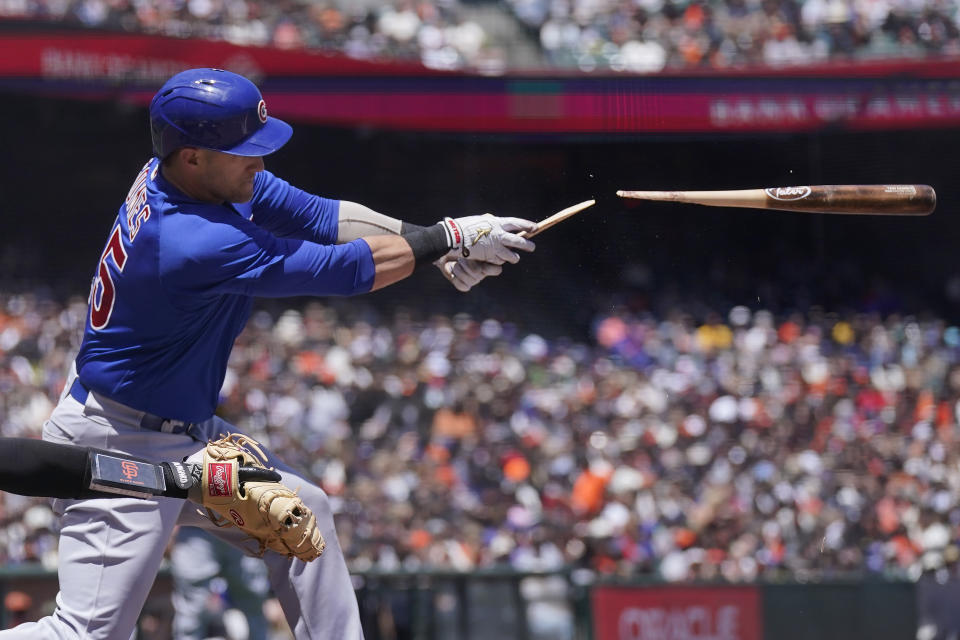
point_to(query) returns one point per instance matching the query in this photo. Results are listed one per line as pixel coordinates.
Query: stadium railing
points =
(572, 604)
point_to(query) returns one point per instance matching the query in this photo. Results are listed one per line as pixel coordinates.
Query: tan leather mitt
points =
(269, 512)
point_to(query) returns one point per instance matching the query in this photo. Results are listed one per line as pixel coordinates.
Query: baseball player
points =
(202, 231)
(196, 560)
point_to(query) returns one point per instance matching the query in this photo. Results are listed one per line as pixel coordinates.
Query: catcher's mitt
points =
(269, 512)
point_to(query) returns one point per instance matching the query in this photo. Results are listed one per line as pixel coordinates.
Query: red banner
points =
(677, 613)
(127, 57)
(333, 89)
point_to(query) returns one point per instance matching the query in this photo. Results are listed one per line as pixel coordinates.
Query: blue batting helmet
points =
(213, 109)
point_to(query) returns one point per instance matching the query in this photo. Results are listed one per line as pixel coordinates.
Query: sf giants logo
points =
(130, 469)
(219, 479)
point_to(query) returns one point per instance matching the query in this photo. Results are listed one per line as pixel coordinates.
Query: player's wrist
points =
(454, 234)
(429, 244)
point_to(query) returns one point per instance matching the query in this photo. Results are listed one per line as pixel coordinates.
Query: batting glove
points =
(488, 238)
(464, 274)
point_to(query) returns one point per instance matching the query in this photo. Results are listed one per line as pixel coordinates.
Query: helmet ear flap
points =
(164, 134)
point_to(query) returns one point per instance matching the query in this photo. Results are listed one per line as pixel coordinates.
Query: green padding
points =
(854, 611)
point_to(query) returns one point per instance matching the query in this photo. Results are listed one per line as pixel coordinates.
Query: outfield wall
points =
(503, 604)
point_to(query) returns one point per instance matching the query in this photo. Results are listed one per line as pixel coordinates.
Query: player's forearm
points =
(393, 259)
(358, 221)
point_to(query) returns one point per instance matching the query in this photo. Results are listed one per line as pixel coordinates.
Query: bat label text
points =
(900, 189)
(788, 193)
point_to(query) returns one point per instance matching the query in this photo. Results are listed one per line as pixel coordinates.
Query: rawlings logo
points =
(788, 193)
(219, 474)
(237, 518)
(262, 111)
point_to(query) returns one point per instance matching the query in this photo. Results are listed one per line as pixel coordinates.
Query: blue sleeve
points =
(289, 212)
(223, 253)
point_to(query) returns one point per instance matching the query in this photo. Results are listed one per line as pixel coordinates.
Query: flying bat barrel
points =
(855, 199)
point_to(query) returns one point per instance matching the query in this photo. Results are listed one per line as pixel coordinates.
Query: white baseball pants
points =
(110, 549)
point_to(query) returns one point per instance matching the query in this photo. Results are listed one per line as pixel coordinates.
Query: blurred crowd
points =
(434, 33)
(622, 35)
(735, 447)
(652, 35)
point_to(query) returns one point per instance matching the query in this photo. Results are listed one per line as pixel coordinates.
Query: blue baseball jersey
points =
(176, 282)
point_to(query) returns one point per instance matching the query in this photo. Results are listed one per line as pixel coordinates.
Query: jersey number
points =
(102, 307)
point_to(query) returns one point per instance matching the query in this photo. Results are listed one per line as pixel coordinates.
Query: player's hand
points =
(464, 273)
(488, 238)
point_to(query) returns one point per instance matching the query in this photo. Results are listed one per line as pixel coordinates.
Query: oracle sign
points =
(677, 613)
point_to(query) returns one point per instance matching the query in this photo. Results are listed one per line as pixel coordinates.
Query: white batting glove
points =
(488, 238)
(464, 274)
